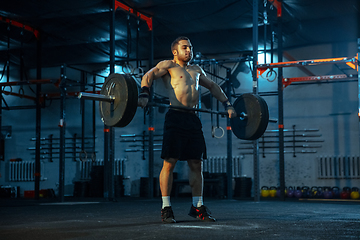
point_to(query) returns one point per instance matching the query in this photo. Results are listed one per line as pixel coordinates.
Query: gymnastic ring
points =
(269, 73)
(93, 157)
(213, 132)
(139, 73)
(21, 92)
(4, 87)
(128, 67)
(81, 157)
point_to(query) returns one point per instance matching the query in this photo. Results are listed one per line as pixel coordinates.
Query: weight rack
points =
(77, 150)
(295, 138)
(143, 139)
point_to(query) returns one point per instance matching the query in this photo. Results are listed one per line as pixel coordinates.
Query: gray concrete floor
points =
(140, 219)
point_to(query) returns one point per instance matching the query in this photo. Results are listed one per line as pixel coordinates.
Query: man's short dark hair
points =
(175, 43)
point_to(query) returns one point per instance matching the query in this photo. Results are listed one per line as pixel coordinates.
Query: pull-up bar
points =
(350, 61)
(36, 81)
(287, 81)
(21, 25)
(147, 19)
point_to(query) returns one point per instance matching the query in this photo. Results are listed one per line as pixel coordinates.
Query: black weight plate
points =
(254, 125)
(264, 119)
(133, 100)
(121, 112)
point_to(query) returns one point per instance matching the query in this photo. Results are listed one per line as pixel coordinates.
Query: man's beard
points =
(187, 58)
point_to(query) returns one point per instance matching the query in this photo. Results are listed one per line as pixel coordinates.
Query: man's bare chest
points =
(186, 76)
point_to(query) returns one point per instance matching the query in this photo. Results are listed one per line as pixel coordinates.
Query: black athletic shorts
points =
(183, 136)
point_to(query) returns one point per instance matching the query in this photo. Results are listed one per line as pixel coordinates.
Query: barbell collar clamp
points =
(243, 116)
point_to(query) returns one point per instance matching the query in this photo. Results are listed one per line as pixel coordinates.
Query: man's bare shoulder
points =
(166, 64)
(197, 68)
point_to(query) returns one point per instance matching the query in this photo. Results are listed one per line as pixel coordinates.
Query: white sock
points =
(166, 201)
(197, 201)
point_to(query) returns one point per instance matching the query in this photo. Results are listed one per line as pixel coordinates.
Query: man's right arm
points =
(156, 72)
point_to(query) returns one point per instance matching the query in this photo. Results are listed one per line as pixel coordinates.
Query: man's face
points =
(184, 51)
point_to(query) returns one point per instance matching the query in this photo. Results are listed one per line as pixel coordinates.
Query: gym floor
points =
(136, 218)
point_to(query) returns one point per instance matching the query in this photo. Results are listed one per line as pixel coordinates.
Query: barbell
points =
(119, 101)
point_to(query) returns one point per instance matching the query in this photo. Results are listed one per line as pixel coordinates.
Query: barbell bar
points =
(110, 98)
(96, 97)
(118, 102)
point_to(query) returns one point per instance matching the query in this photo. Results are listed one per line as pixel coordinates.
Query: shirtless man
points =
(183, 137)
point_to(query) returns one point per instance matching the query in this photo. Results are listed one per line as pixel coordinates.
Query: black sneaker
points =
(202, 213)
(167, 215)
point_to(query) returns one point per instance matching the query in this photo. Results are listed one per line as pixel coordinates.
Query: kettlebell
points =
(305, 192)
(355, 193)
(272, 191)
(328, 193)
(345, 194)
(336, 192)
(264, 191)
(278, 192)
(319, 193)
(298, 192)
(290, 192)
(313, 192)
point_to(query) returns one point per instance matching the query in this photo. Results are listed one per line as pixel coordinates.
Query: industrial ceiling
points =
(77, 32)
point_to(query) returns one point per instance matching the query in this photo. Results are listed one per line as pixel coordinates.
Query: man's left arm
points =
(217, 92)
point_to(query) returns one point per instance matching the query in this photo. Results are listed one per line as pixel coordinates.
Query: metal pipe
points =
(19, 95)
(358, 48)
(93, 114)
(62, 133)
(53, 153)
(311, 62)
(109, 157)
(255, 91)
(297, 135)
(296, 130)
(297, 141)
(188, 108)
(292, 146)
(38, 119)
(140, 150)
(82, 111)
(34, 139)
(82, 70)
(139, 135)
(229, 163)
(110, 98)
(28, 82)
(139, 140)
(276, 152)
(151, 123)
(281, 110)
(96, 97)
(76, 147)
